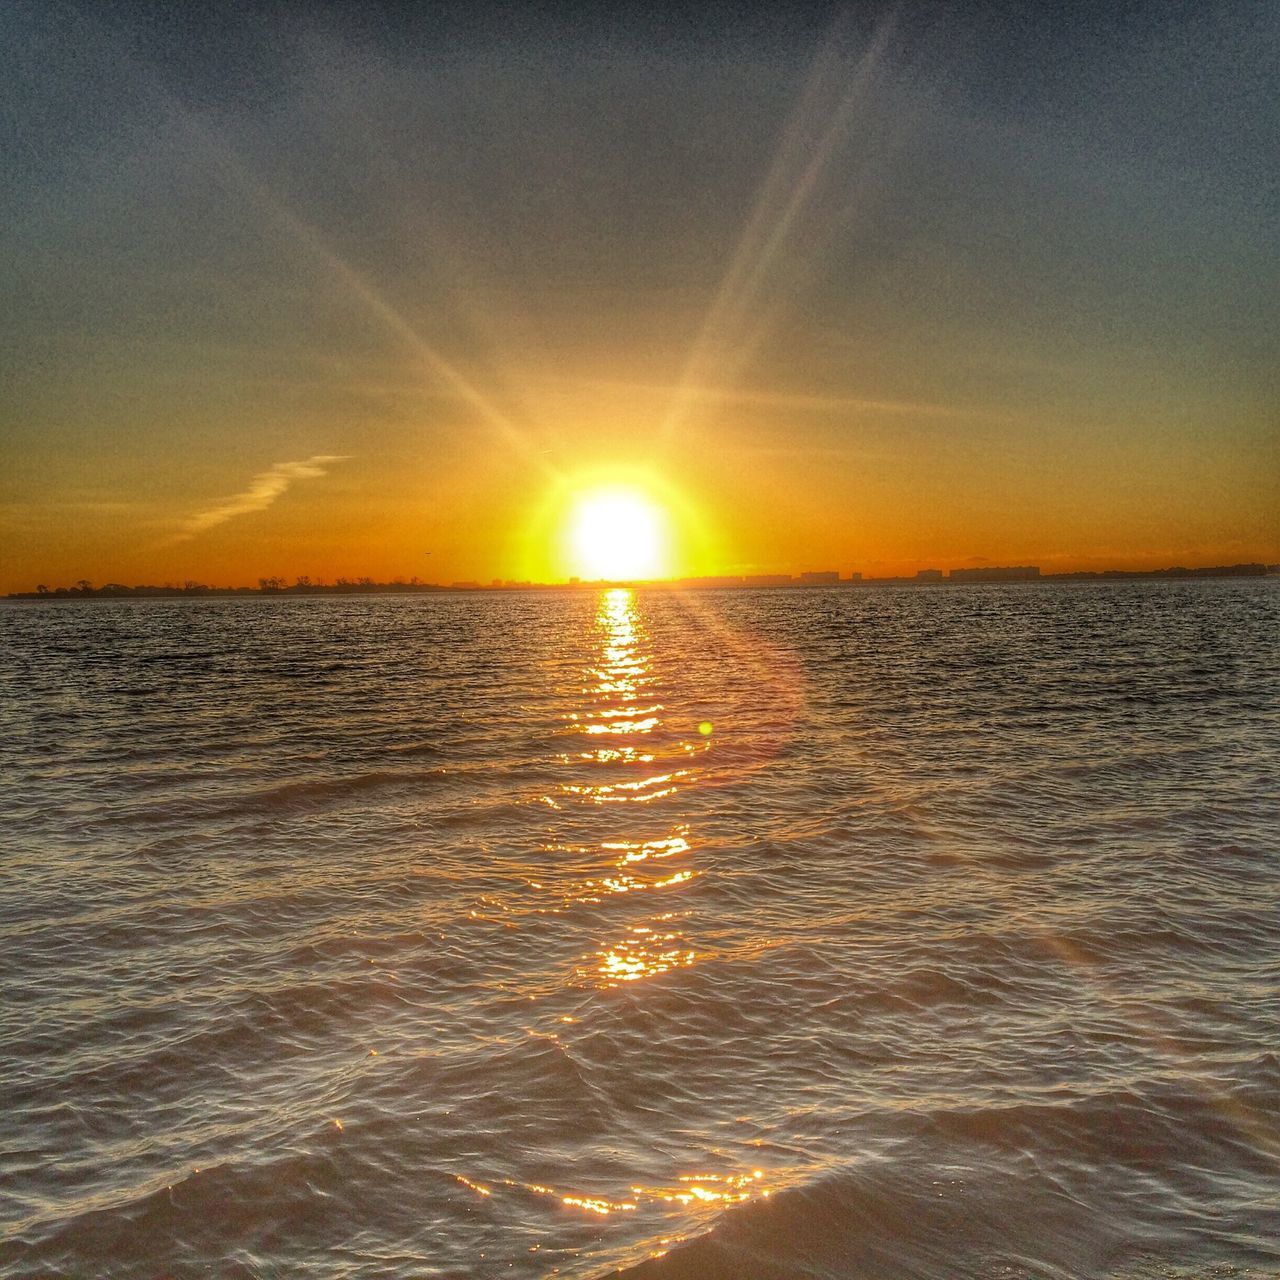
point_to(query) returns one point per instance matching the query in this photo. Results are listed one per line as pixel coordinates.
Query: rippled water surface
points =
(856, 932)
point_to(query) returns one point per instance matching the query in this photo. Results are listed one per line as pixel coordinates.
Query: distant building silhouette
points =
(711, 582)
(768, 580)
(929, 575)
(823, 577)
(1012, 573)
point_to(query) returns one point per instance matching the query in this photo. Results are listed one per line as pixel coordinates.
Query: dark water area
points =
(921, 932)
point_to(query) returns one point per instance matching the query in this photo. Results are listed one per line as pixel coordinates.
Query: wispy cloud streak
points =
(263, 490)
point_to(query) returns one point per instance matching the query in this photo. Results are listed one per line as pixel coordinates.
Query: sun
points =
(614, 522)
(617, 534)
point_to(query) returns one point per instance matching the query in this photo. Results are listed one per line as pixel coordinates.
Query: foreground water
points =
(857, 933)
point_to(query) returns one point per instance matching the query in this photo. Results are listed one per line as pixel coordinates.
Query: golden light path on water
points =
(622, 704)
(623, 733)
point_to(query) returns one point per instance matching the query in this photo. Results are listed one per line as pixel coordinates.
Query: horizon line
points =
(304, 585)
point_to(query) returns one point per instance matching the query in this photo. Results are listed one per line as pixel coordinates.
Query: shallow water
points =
(435, 936)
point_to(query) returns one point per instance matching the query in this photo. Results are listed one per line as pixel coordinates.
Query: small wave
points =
(972, 1219)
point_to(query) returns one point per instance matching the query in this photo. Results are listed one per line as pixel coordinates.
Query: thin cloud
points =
(263, 490)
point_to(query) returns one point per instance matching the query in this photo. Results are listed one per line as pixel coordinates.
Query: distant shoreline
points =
(807, 581)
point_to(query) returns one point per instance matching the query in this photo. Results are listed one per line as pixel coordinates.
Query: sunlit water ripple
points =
(436, 936)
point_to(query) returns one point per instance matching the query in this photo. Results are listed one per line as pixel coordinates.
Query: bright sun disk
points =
(617, 535)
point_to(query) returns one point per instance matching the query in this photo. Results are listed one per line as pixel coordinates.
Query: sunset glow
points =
(825, 339)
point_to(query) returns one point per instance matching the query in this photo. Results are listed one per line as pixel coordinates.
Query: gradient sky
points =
(361, 291)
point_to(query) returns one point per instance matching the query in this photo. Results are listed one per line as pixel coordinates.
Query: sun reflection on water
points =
(642, 789)
(614, 755)
(639, 851)
(613, 780)
(708, 1188)
(619, 837)
(691, 1190)
(623, 704)
(645, 950)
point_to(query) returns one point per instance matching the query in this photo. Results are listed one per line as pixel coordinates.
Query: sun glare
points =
(618, 535)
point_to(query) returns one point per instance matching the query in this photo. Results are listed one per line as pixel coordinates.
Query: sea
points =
(920, 931)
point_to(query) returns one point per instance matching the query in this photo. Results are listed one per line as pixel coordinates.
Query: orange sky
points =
(843, 299)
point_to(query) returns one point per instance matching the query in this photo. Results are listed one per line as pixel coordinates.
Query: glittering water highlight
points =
(926, 932)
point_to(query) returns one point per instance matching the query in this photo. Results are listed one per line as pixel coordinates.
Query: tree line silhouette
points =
(301, 586)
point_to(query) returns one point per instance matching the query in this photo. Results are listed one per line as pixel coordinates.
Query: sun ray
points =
(241, 176)
(736, 323)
